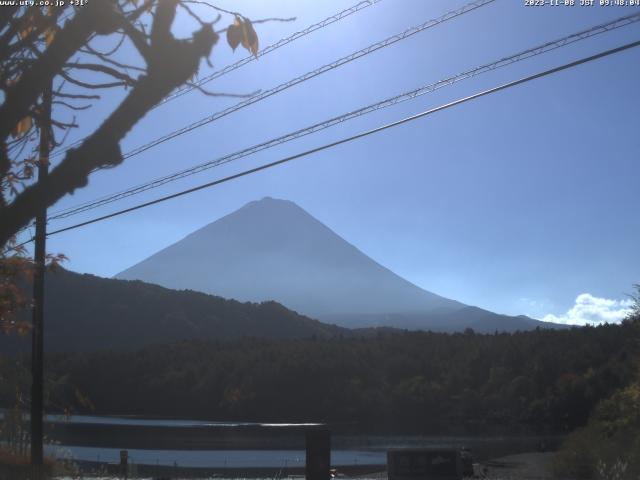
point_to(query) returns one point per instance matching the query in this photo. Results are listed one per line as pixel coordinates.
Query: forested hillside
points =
(304, 265)
(543, 380)
(85, 312)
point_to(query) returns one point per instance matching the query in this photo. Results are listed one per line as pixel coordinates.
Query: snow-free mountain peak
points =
(272, 249)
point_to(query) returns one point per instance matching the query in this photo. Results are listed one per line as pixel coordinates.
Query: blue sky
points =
(519, 202)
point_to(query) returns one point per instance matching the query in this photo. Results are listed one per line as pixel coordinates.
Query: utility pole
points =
(37, 345)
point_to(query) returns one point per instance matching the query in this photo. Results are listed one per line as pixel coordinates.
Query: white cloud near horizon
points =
(590, 310)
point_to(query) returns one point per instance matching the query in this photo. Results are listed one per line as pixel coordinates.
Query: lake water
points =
(154, 422)
(346, 449)
(365, 452)
(216, 459)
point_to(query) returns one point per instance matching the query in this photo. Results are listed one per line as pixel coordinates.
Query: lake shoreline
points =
(523, 466)
(153, 471)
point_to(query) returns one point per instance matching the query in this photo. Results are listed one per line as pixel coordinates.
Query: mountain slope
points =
(273, 250)
(85, 312)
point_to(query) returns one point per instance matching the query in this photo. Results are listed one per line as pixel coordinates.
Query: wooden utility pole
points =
(318, 460)
(37, 345)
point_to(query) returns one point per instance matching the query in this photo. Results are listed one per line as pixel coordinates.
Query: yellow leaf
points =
(23, 126)
(242, 32)
(234, 33)
(254, 47)
(249, 37)
(30, 22)
(24, 33)
(49, 35)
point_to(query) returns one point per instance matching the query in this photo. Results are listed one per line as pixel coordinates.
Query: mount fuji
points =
(274, 250)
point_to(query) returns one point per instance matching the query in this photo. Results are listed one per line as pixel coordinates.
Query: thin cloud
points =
(590, 310)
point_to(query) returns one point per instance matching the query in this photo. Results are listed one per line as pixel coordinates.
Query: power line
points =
(357, 136)
(281, 43)
(307, 76)
(250, 58)
(348, 139)
(531, 52)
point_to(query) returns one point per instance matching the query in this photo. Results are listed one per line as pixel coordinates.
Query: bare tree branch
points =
(172, 63)
(82, 84)
(94, 17)
(96, 67)
(138, 39)
(105, 57)
(77, 96)
(108, 53)
(218, 94)
(72, 107)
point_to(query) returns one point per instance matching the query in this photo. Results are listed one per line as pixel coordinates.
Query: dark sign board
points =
(424, 464)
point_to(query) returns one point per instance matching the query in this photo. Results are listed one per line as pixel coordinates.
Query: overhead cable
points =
(250, 58)
(351, 138)
(425, 89)
(262, 95)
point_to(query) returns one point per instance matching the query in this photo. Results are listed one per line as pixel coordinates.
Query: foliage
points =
(14, 424)
(14, 381)
(18, 467)
(418, 382)
(14, 430)
(242, 32)
(609, 446)
(111, 313)
(635, 308)
(15, 271)
(55, 61)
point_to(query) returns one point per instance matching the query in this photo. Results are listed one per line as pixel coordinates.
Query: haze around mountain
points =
(272, 249)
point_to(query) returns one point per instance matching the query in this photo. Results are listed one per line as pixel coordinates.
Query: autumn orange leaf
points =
(249, 37)
(23, 126)
(30, 21)
(49, 35)
(234, 33)
(242, 32)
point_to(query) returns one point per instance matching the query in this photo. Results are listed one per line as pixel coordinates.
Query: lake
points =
(199, 444)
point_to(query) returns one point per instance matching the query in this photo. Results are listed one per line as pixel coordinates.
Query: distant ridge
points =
(86, 313)
(274, 250)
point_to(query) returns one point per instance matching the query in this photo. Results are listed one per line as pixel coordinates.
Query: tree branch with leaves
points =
(40, 46)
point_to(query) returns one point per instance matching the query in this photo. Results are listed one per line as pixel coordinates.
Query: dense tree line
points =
(543, 380)
(608, 446)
